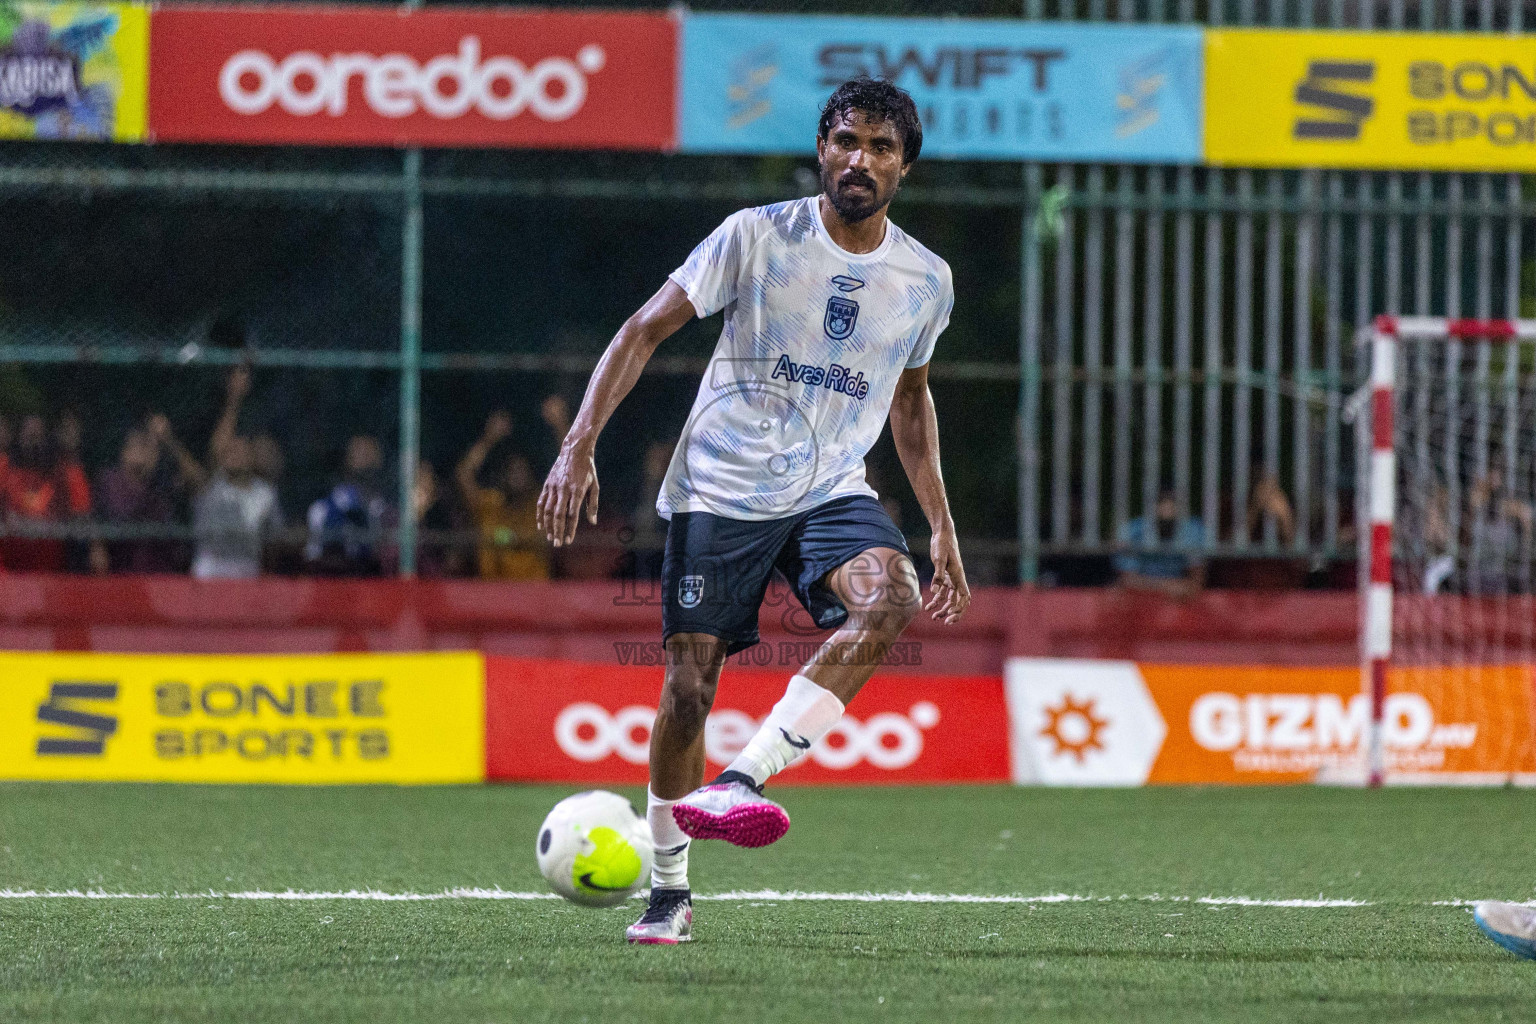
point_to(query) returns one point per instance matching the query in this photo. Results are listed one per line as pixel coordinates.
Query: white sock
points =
(800, 718)
(670, 870)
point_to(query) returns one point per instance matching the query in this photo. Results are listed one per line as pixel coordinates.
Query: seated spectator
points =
(142, 491)
(347, 525)
(1158, 553)
(39, 488)
(505, 513)
(233, 516)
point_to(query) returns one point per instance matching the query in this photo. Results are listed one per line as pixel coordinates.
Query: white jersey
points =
(801, 381)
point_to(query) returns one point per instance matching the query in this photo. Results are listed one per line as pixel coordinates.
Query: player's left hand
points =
(950, 595)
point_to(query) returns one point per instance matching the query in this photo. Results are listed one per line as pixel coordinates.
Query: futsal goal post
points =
(1447, 486)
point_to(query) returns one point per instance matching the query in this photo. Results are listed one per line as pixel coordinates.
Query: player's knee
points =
(686, 699)
(900, 597)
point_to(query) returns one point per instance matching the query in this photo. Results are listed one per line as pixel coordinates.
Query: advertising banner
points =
(1371, 100)
(984, 89)
(406, 718)
(561, 721)
(73, 71)
(381, 77)
(1121, 723)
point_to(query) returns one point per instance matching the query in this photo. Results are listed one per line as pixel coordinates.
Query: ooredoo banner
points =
(1120, 723)
(411, 718)
(988, 89)
(561, 721)
(381, 77)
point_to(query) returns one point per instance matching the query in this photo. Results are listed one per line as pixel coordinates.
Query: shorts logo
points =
(690, 591)
(842, 314)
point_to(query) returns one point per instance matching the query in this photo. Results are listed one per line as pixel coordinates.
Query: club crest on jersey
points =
(690, 591)
(842, 314)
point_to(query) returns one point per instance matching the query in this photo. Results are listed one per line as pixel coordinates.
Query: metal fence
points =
(1180, 328)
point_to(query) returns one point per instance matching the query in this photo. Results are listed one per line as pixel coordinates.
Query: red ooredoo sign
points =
(562, 721)
(336, 76)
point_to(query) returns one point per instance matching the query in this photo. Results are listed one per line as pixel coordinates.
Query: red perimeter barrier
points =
(560, 721)
(612, 622)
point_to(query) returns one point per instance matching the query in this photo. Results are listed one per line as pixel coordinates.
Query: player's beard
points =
(857, 206)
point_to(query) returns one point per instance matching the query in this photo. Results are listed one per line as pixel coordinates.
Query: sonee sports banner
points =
(1371, 100)
(412, 718)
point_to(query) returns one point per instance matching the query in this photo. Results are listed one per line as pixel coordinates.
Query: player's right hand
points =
(572, 480)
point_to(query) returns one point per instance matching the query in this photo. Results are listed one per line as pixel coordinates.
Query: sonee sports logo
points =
(589, 732)
(90, 730)
(1348, 110)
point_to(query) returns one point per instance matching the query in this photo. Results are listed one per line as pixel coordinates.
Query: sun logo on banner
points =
(1074, 727)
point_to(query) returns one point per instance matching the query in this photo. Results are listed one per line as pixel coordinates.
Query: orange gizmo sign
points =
(1122, 723)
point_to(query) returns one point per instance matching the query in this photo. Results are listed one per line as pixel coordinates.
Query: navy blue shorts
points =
(715, 570)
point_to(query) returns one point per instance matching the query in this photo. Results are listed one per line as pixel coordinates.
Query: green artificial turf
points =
(1105, 959)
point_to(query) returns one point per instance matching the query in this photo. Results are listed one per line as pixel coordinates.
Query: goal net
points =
(1448, 584)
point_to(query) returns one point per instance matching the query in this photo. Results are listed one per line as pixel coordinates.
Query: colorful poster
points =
(377, 76)
(73, 71)
(984, 89)
(1371, 100)
(403, 718)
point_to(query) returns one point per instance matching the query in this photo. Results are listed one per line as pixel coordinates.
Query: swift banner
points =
(380, 77)
(413, 718)
(1370, 100)
(73, 71)
(985, 89)
(1121, 723)
(561, 721)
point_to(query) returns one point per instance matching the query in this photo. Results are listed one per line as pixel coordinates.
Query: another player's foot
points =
(1511, 925)
(731, 809)
(666, 922)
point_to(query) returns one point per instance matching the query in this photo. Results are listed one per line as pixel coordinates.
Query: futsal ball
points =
(595, 849)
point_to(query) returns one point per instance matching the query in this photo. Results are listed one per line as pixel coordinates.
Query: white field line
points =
(734, 896)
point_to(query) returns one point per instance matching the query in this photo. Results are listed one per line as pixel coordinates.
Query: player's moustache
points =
(857, 179)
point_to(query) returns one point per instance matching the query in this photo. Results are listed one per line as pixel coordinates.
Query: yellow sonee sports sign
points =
(413, 718)
(1372, 100)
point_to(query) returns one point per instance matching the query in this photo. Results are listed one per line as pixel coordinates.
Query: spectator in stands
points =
(1498, 538)
(1270, 504)
(1159, 553)
(144, 490)
(268, 460)
(80, 554)
(346, 526)
(505, 512)
(39, 489)
(650, 530)
(234, 516)
(436, 521)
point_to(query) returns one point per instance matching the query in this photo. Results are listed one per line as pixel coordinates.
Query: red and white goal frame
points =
(1390, 337)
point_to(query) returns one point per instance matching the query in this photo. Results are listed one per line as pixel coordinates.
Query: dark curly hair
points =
(879, 100)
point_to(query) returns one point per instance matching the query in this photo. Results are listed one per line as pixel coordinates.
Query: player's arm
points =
(573, 478)
(915, 428)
